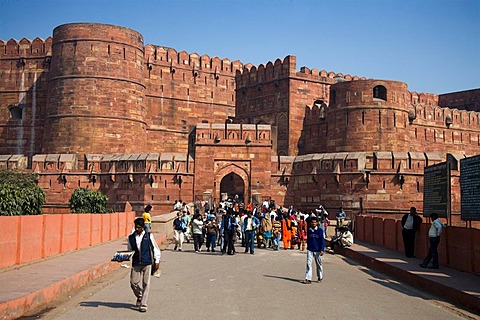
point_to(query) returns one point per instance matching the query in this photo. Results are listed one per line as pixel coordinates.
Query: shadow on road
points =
(282, 278)
(396, 285)
(113, 305)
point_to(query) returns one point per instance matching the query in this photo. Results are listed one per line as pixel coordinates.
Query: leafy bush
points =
(88, 201)
(20, 194)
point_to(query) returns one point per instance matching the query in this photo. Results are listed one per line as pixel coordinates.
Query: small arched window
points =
(15, 112)
(380, 92)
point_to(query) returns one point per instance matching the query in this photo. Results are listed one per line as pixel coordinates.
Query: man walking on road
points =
(227, 229)
(178, 229)
(142, 243)
(315, 250)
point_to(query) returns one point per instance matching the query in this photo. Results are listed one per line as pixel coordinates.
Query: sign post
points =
(470, 188)
(436, 190)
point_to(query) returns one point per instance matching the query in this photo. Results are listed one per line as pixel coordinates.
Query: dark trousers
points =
(432, 252)
(228, 242)
(197, 241)
(409, 242)
(250, 241)
(211, 240)
(335, 241)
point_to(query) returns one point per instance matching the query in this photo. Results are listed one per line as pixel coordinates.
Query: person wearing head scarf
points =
(266, 230)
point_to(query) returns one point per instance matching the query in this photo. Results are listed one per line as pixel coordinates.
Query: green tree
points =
(20, 194)
(88, 201)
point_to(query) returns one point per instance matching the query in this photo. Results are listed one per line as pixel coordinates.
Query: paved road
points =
(261, 286)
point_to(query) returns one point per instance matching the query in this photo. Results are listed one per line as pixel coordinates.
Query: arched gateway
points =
(232, 180)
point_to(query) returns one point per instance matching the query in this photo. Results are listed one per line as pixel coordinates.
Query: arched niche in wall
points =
(16, 112)
(282, 125)
(321, 105)
(380, 92)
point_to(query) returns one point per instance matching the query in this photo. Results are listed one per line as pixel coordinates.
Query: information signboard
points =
(435, 190)
(470, 188)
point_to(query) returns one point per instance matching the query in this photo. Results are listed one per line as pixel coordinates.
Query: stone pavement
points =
(26, 288)
(457, 287)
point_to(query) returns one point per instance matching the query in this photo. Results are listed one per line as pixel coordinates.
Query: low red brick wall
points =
(25, 239)
(459, 247)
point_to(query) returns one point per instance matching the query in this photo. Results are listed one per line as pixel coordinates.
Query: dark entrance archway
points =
(232, 184)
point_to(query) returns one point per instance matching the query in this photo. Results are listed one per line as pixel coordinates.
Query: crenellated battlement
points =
(159, 55)
(424, 98)
(103, 163)
(446, 117)
(93, 106)
(317, 163)
(223, 133)
(252, 75)
(326, 76)
(383, 111)
(26, 48)
(420, 108)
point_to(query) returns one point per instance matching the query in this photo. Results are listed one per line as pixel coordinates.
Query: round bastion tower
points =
(368, 115)
(96, 91)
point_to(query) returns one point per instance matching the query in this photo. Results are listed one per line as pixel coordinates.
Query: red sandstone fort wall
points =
(183, 90)
(355, 120)
(359, 151)
(96, 78)
(24, 67)
(136, 95)
(244, 149)
(157, 179)
(277, 94)
(263, 97)
(465, 100)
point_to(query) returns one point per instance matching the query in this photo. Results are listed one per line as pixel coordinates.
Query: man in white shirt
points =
(344, 239)
(434, 236)
(410, 224)
(143, 243)
(250, 225)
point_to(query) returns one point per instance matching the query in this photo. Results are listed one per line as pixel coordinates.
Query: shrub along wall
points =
(28, 238)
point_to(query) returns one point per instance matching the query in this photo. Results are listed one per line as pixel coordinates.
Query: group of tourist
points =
(264, 226)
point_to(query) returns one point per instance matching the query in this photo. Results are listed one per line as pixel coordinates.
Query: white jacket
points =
(435, 229)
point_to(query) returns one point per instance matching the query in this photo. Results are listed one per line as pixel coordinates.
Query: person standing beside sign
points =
(410, 224)
(434, 237)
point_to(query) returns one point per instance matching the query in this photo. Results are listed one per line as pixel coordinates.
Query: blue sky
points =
(432, 45)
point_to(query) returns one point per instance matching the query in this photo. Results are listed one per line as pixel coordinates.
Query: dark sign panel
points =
(435, 190)
(470, 188)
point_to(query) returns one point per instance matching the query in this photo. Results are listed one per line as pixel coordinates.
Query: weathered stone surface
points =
(95, 107)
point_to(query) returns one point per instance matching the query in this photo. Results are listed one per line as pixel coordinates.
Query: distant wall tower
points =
(96, 91)
(367, 115)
